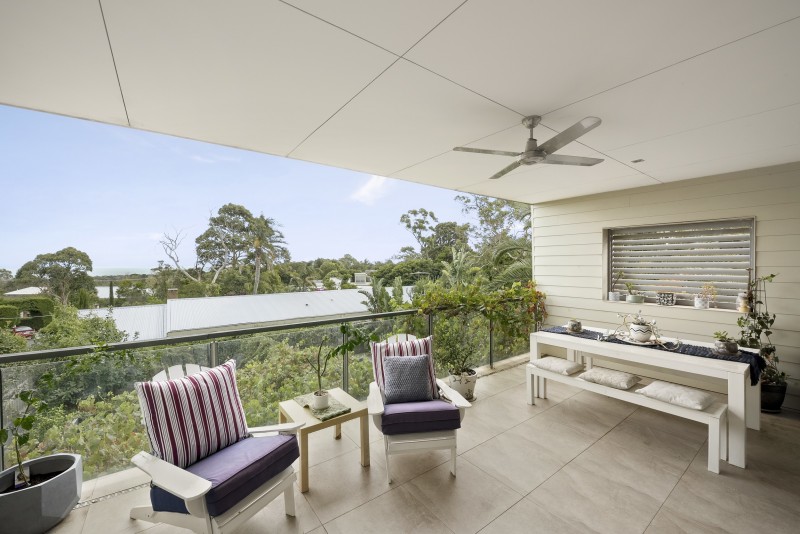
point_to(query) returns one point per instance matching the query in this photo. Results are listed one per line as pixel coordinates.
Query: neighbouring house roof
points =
(186, 316)
(25, 292)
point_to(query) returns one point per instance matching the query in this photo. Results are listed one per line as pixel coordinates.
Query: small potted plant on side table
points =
(353, 337)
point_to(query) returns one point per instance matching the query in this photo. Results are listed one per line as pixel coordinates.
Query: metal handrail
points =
(207, 336)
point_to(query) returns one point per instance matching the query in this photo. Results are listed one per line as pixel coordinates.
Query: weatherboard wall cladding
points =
(570, 257)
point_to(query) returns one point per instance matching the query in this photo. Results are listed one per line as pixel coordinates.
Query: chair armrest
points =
(283, 428)
(172, 478)
(452, 395)
(374, 400)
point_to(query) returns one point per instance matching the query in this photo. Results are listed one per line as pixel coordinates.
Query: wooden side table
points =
(291, 411)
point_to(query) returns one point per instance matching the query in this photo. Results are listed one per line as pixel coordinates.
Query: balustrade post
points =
(2, 425)
(212, 353)
(345, 367)
(491, 344)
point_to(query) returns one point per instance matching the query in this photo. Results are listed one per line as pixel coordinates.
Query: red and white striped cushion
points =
(192, 417)
(414, 347)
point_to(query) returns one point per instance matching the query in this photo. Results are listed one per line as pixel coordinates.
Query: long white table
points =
(744, 400)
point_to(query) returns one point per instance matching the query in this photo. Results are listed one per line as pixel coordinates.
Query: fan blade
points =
(570, 134)
(558, 159)
(485, 151)
(506, 170)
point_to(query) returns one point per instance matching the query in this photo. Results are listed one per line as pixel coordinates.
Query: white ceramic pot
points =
(640, 332)
(319, 402)
(700, 303)
(638, 299)
(464, 384)
(614, 296)
(666, 298)
(574, 325)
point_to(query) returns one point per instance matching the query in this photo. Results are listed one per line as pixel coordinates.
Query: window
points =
(682, 258)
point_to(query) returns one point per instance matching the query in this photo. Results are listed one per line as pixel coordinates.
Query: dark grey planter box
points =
(39, 508)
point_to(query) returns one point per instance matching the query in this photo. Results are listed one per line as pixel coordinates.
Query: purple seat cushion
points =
(234, 472)
(426, 416)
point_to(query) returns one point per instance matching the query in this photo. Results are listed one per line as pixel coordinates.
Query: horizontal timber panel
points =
(576, 281)
(753, 202)
(777, 227)
(568, 250)
(568, 260)
(594, 204)
(779, 259)
(592, 238)
(594, 293)
(778, 243)
(569, 270)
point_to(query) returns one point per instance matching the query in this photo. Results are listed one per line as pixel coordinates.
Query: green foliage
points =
(11, 343)
(378, 299)
(39, 308)
(756, 329)
(20, 429)
(352, 336)
(9, 316)
(67, 329)
(722, 336)
(62, 273)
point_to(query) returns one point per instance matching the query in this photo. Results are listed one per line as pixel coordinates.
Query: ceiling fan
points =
(544, 154)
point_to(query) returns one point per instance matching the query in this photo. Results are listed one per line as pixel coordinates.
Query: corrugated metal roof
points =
(205, 313)
(25, 291)
(146, 322)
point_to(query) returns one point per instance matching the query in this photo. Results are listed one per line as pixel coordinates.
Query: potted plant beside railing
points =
(36, 494)
(756, 329)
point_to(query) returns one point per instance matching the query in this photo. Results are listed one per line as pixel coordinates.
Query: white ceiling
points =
(389, 88)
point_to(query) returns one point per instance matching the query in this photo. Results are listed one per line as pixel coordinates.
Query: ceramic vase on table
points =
(640, 332)
(320, 400)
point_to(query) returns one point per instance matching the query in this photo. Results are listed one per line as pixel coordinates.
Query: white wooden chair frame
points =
(192, 488)
(417, 441)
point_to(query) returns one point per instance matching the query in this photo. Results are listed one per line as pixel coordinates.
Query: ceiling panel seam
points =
(315, 130)
(434, 27)
(690, 58)
(114, 62)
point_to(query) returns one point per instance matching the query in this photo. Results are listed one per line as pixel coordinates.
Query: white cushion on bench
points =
(607, 377)
(680, 395)
(557, 365)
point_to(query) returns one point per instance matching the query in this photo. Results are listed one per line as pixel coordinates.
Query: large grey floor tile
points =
(121, 480)
(561, 440)
(342, 484)
(465, 503)
(592, 501)
(590, 412)
(73, 523)
(530, 518)
(397, 511)
(515, 461)
(272, 519)
(111, 516)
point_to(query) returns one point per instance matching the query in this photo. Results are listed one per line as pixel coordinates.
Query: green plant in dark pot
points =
(756, 329)
(36, 494)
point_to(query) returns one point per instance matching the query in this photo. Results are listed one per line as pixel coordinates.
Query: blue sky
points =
(112, 192)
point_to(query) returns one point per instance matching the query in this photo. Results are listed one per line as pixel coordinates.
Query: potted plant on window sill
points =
(613, 294)
(633, 294)
(353, 337)
(707, 295)
(756, 329)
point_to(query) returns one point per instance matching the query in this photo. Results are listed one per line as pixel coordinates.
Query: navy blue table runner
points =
(754, 360)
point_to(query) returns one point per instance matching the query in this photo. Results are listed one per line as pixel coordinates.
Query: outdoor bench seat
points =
(714, 416)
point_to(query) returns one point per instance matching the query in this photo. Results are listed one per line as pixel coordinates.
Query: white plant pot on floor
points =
(464, 384)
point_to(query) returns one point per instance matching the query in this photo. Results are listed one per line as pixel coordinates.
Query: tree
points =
(378, 300)
(60, 273)
(420, 223)
(268, 246)
(68, 329)
(497, 217)
(132, 293)
(6, 277)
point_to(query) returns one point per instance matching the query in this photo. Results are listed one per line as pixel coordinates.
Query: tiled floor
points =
(577, 462)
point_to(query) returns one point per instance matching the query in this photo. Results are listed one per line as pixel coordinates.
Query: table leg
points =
(737, 433)
(364, 440)
(337, 432)
(303, 461)
(753, 400)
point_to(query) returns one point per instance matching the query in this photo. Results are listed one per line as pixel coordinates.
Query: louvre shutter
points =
(681, 258)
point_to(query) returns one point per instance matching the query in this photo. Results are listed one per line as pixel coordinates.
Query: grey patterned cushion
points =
(406, 378)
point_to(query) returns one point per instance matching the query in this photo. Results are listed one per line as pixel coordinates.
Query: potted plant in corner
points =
(756, 329)
(353, 337)
(36, 494)
(457, 349)
(613, 294)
